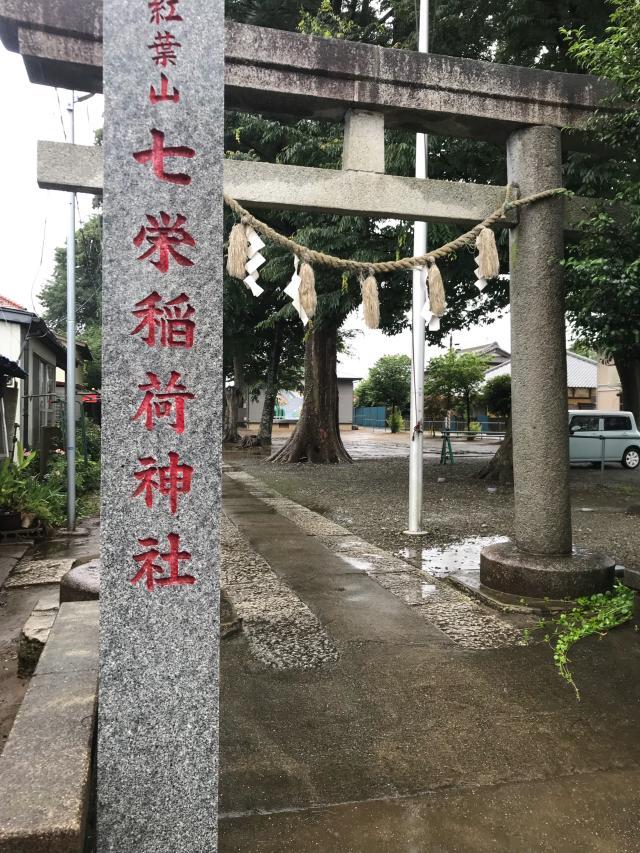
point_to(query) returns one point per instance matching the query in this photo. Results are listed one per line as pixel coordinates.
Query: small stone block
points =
(35, 634)
(363, 147)
(505, 568)
(45, 768)
(36, 572)
(632, 578)
(81, 583)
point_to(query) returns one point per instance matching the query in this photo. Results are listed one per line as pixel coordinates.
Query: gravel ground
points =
(464, 621)
(281, 630)
(369, 498)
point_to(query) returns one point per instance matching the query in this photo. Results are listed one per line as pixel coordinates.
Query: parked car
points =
(590, 431)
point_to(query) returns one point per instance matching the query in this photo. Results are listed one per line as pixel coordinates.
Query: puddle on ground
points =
(47, 548)
(460, 558)
(357, 563)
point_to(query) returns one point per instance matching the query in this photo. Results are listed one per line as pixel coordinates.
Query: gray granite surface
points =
(158, 718)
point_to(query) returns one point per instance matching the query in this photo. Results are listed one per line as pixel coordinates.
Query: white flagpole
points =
(417, 321)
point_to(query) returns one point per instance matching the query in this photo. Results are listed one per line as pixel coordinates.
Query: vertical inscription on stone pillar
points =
(162, 314)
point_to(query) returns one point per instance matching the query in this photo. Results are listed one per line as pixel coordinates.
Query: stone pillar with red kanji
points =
(162, 350)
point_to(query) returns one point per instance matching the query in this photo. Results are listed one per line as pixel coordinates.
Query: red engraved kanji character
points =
(164, 238)
(164, 95)
(164, 49)
(170, 480)
(156, 156)
(163, 10)
(159, 403)
(149, 569)
(173, 319)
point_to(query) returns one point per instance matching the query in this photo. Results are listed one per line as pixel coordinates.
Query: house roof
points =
(83, 351)
(11, 312)
(488, 349)
(5, 302)
(582, 372)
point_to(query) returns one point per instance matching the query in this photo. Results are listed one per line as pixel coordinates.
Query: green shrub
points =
(395, 421)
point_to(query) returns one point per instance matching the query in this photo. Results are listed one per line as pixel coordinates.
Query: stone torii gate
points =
(370, 88)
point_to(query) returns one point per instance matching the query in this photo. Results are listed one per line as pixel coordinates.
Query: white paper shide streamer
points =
(293, 290)
(255, 261)
(431, 319)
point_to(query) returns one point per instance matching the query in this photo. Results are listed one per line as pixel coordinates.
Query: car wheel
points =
(631, 457)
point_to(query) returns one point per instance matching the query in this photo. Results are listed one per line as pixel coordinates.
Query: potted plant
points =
(15, 486)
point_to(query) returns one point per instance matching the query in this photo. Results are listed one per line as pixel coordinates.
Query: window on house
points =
(44, 389)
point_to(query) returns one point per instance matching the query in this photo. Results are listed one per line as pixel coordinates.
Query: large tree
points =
(455, 378)
(388, 383)
(496, 397)
(88, 278)
(485, 32)
(603, 268)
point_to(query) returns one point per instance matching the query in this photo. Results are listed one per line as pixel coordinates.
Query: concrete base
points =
(632, 579)
(503, 567)
(82, 583)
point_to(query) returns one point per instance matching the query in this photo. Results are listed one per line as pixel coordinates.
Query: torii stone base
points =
(506, 568)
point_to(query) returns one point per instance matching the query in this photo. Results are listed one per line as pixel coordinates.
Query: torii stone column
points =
(540, 561)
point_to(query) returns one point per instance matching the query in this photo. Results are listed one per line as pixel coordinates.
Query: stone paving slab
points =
(10, 555)
(40, 572)
(567, 815)
(460, 617)
(281, 631)
(46, 764)
(35, 632)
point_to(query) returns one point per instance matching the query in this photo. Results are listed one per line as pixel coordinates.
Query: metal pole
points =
(71, 346)
(417, 322)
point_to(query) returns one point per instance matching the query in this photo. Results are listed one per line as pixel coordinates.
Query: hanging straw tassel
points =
(437, 300)
(237, 253)
(370, 301)
(307, 292)
(488, 262)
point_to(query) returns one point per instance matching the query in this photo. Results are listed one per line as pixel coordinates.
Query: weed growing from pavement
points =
(594, 614)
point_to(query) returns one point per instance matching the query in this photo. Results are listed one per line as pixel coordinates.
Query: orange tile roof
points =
(9, 303)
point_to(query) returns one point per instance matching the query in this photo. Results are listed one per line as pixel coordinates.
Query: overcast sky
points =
(34, 221)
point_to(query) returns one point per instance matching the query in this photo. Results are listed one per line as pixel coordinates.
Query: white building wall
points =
(11, 337)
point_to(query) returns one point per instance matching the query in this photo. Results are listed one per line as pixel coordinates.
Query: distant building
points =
(609, 388)
(31, 405)
(495, 353)
(582, 380)
(289, 404)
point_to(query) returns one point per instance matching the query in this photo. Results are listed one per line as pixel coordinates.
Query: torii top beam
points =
(293, 75)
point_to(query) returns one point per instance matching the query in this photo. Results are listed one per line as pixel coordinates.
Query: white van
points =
(589, 430)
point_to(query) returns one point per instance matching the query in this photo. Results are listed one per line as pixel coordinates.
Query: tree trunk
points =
(629, 373)
(317, 435)
(500, 468)
(271, 389)
(233, 396)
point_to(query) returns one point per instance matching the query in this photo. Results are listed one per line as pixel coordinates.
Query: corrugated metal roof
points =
(582, 372)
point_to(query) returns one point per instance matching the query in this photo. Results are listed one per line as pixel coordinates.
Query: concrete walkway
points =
(410, 742)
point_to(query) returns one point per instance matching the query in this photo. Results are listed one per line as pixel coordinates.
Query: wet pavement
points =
(411, 740)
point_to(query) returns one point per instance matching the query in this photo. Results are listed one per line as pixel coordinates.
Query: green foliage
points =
(395, 421)
(388, 383)
(496, 396)
(455, 378)
(88, 281)
(603, 268)
(594, 614)
(362, 395)
(88, 294)
(474, 427)
(21, 490)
